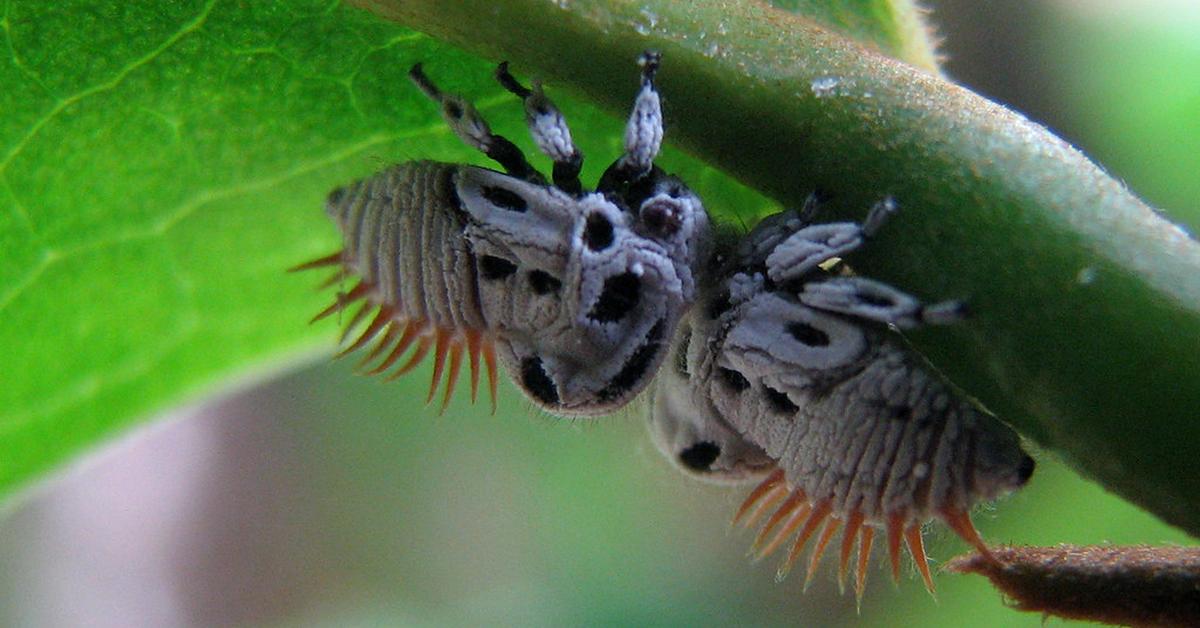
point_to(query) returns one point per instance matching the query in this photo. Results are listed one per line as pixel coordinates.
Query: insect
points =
(578, 291)
(785, 371)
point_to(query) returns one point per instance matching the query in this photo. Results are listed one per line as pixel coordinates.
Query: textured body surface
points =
(402, 232)
(577, 291)
(784, 369)
(849, 428)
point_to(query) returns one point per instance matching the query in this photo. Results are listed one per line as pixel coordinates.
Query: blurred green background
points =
(327, 499)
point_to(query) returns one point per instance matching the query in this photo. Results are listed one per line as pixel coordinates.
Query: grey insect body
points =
(783, 371)
(788, 372)
(578, 292)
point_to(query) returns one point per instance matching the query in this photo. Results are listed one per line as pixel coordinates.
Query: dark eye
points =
(661, 218)
(699, 457)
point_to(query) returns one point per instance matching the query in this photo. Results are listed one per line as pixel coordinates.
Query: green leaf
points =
(161, 165)
(160, 168)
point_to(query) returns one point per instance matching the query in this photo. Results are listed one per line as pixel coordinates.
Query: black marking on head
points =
(453, 109)
(899, 413)
(1025, 470)
(636, 366)
(505, 198)
(621, 294)
(807, 334)
(734, 379)
(700, 456)
(537, 382)
(718, 305)
(335, 197)
(681, 351)
(779, 401)
(542, 282)
(598, 232)
(493, 268)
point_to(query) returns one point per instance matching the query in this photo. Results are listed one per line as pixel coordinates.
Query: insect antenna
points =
(470, 127)
(549, 130)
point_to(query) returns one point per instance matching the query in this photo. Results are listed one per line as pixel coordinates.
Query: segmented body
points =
(402, 231)
(578, 292)
(815, 393)
(785, 371)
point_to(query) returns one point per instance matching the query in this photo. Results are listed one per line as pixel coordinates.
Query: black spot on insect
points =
(542, 282)
(636, 366)
(537, 382)
(900, 413)
(733, 379)
(700, 456)
(1025, 470)
(807, 334)
(621, 294)
(598, 232)
(779, 401)
(493, 268)
(501, 197)
(681, 351)
(453, 109)
(336, 196)
(718, 305)
(874, 301)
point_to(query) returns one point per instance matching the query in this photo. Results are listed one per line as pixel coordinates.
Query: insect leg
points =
(813, 245)
(643, 132)
(472, 129)
(549, 130)
(876, 301)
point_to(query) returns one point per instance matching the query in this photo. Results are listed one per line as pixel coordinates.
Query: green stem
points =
(1086, 303)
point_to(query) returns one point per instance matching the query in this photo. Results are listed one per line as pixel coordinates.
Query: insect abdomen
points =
(403, 235)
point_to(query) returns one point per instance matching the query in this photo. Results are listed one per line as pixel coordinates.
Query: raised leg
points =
(814, 245)
(643, 132)
(876, 301)
(549, 130)
(472, 129)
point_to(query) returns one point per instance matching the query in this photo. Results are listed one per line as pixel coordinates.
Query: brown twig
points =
(1133, 585)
